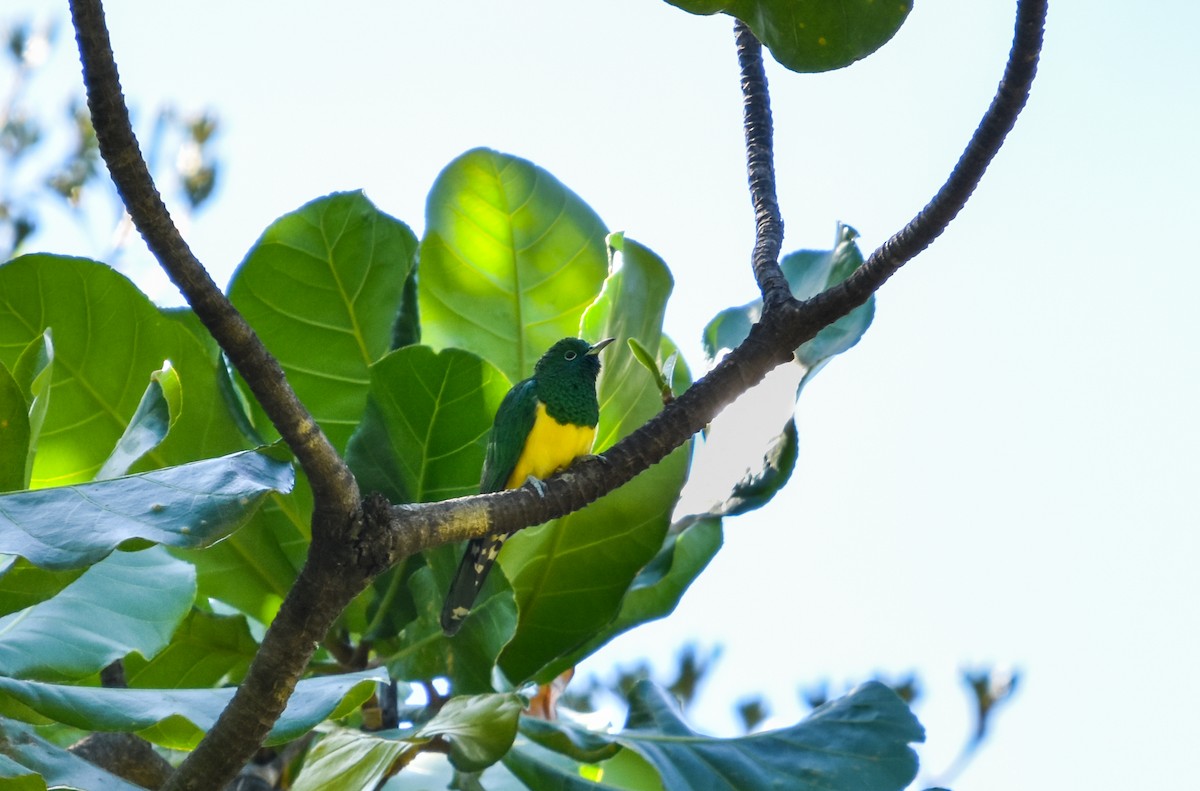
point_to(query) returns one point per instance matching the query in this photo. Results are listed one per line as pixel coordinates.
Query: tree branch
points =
(333, 485)
(760, 166)
(928, 224)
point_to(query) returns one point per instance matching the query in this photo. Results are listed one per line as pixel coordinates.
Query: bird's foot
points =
(537, 485)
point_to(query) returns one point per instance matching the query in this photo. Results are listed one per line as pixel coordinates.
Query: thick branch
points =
(929, 223)
(760, 166)
(333, 486)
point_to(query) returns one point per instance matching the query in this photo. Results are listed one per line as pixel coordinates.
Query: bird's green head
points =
(571, 358)
(566, 380)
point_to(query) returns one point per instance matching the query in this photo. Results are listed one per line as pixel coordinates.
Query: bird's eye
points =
(570, 356)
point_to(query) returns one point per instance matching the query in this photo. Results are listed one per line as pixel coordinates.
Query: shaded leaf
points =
(542, 768)
(570, 575)
(424, 652)
(178, 718)
(23, 584)
(857, 741)
(757, 488)
(23, 752)
(155, 415)
(322, 288)
(130, 601)
(425, 432)
(509, 261)
(204, 651)
(659, 586)
(812, 35)
(186, 506)
(253, 569)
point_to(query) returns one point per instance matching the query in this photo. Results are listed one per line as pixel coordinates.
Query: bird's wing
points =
(514, 421)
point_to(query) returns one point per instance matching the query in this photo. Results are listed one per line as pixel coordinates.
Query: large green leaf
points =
(509, 261)
(178, 718)
(108, 337)
(812, 35)
(322, 288)
(658, 587)
(205, 650)
(187, 506)
(859, 741)
(156, 414)
(14, 432)
(25, 757)
(541, 768)
(425, 431)
(569, 576)
(350, 759)
(130, 601)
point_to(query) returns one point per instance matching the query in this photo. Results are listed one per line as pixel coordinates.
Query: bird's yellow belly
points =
(551, 446)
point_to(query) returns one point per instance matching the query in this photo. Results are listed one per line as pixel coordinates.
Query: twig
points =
(760, 167)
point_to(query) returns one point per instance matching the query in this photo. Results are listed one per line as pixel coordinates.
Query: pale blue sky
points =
(1002, 471)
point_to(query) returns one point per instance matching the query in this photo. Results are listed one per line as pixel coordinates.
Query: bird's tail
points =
(472, 571)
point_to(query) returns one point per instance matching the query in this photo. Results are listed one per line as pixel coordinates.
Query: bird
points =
(543, 424)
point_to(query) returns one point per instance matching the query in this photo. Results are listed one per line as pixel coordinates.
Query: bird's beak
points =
(598, 346)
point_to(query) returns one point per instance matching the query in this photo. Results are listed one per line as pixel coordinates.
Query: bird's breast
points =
(551, 446)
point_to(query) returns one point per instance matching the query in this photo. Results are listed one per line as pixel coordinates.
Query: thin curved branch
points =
(333, 485)
(928, 224)
(760, 167)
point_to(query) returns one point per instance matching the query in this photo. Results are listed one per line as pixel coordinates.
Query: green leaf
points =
(349, 759)
(658, 587)
(154, 417)
(205, 650)
(578, 744)
(812, 35)
(107, 337)
(569, 576)
(322, 288)
(187, 506)
(857, 741)
(178, 718)
(130, 601)
(33, 372)
(424, 652)
(23, 584)
(14, 433)
(480, 728)
(509, 261)
(407, 329)
(426, 428)
(24, 754)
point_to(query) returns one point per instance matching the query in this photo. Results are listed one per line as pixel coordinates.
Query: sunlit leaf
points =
(155, 415)
(205, 650)
(322, 288)
(108, 337)
(509, 261)
(14, 433)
